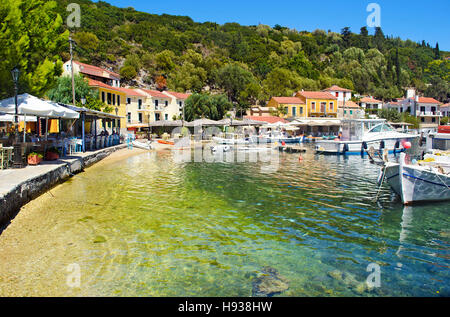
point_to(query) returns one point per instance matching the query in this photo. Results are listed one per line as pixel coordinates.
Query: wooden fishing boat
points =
(420, 182)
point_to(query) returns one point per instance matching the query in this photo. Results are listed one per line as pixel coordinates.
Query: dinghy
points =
(144, 146)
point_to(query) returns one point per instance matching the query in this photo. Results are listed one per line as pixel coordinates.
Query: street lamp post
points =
(15, 75)
(18, 163)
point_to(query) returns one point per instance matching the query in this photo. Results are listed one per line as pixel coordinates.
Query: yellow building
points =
(319, 103)
(113, 97)
(294, 107)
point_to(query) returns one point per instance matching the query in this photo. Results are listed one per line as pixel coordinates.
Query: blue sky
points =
(410, 19)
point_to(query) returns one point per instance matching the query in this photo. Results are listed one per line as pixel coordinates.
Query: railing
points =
(430, 113)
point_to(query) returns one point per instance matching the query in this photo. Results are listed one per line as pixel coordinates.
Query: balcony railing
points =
(430, 114)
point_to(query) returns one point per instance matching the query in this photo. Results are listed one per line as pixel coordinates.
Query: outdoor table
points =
(5, 156)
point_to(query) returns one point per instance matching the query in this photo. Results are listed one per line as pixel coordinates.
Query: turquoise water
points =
(147, 226)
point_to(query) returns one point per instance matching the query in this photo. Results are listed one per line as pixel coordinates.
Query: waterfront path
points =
(19, 186)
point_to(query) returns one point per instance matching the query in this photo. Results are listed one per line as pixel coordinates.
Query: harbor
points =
(147, 225)
(186, 151)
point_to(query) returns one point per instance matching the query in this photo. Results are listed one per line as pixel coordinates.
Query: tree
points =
(88, 42)
(63, 93)
(346, 36)
(233, 79)
(281, 82)
(437, 52)
(391, 115)
(379, 39)
(206, 106)
(128, 72)
(364, 35)
(439, 89)
(165, 61)
(31, 37)
(188, 78)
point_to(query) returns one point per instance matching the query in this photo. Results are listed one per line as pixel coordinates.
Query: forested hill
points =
(252, 63)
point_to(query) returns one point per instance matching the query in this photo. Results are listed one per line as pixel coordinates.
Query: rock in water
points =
(270, 283)
(99, 239)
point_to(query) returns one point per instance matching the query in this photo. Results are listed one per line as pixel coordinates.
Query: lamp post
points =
(18, 163)
(15, 75)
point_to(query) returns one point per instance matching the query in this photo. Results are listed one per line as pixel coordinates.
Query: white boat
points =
(275, 137)
(144, 146)
(231, 141)
(418, 183)
(360, 134)
(221, 148)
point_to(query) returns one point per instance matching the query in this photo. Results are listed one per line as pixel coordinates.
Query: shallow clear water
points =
(148, 226)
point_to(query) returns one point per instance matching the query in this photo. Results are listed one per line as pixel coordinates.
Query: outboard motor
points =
(345, 149)
(363, 148)
(382, 145)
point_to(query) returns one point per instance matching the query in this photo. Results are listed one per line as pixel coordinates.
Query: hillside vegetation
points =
(252, 63)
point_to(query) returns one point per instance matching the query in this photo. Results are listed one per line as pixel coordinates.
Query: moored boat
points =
(166, 142)
(360, 134)
(144, 146)
(420, 182)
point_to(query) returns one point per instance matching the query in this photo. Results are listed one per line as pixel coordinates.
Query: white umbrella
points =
(11, 118)
(31, 105)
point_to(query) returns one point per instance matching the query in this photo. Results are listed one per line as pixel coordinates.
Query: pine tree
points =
(437, 52)
(32, 38)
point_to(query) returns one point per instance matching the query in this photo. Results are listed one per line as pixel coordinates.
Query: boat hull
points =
(392, 176)
(140, 145)
(358, 147)
(421, 185)
(265, 140)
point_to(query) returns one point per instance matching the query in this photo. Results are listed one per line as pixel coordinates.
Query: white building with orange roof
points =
(178, 102)
(370, 105)
(427, 109)
(445, 109)
(340, 93)
(93, 72)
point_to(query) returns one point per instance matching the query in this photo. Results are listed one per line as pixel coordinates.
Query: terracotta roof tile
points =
(316, 95)
(96, 83)
(178, 95)
(132, 92)
(428, 100)
(337, 88)
(96, 71)
(268, 119)
(348, 104)
(370, 100)
(289, 100)
(155, 93)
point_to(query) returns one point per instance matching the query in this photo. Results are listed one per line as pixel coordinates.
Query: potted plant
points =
(52, 154)
(35, 158)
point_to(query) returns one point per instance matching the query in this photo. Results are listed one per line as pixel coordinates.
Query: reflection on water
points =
(148, 226)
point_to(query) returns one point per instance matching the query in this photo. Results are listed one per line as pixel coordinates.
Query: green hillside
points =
(252, 63)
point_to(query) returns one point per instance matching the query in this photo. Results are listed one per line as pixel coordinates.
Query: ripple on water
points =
(196, 229)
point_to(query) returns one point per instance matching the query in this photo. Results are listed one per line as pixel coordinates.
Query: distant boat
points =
(276, 137)
(419, 183)
(221, 148)
(144, 146)
(166, 142)
(360, 134)
(231, 141)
